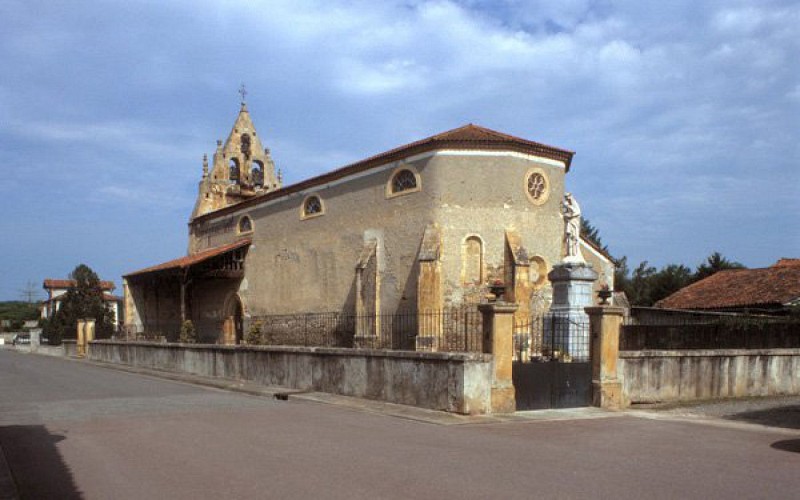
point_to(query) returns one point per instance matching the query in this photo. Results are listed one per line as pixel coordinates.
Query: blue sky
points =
(685, 115)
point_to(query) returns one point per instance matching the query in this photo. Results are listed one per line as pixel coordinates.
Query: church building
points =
(423, 227)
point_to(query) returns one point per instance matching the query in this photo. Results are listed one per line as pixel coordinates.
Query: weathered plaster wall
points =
(309, 265)
(484, 196)
(454, 382)
(603, 267)
(662, 376)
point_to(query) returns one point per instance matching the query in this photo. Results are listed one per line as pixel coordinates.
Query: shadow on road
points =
(36, 464)
(783, 416)
(792, 445)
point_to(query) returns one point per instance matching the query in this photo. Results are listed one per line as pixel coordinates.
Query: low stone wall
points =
(70, 347)
(454, 382)
(663, 376)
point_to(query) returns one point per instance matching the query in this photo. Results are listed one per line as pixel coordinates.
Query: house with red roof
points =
(57, 288)
(768, 290)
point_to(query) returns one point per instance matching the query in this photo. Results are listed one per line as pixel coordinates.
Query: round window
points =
(537, 187)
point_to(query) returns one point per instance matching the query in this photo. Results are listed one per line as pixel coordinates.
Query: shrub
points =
(254, 336)
(188, 333)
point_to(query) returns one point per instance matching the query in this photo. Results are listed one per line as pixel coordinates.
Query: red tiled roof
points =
(63, 284)
(106, 297)
(779, 284)
(189, 260)
(469, 137)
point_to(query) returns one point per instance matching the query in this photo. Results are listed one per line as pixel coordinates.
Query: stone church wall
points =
(308, 265)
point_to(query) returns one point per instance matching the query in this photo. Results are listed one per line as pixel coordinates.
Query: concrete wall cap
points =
(330, 351)
(699, 353)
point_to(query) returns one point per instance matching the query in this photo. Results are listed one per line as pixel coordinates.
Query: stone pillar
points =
(605, 324)
(80, 343)
(567, 325)
(89, 329)
(498, 326)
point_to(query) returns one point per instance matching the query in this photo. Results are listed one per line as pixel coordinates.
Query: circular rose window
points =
(537, 188)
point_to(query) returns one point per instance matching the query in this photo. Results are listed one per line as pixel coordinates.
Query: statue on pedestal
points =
(571, 212)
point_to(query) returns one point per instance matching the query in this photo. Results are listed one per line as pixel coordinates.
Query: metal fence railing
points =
(551, 337)
(677, 330)
(450, 330)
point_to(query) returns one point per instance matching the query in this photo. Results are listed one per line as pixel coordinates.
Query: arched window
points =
(312, 207)
(473, 260)
(245, 225)
(257, 174)
(404, 180)
(234, 170)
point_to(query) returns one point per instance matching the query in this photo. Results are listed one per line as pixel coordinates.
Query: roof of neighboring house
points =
(775, 285)
(106, 297)
(469, 137)
(64, 284)
(189, 260)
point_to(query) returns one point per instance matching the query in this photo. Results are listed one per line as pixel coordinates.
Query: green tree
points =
(713, 264)
(591, 233)
(84, 300)
(667, 281)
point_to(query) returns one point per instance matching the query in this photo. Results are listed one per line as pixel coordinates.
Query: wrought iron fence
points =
(677, 330)
(551, 337)
(449, 330)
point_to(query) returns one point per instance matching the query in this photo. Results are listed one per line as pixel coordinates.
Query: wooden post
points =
(605, 323)
(498, 326)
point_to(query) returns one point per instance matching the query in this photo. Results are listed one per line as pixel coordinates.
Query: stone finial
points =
(280, 177)
(219, 143)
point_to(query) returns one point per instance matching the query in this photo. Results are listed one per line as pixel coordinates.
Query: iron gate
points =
(551, 367)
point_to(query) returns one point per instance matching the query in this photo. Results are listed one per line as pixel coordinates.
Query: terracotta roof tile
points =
(189, 260)
(779, 284)
(51, 283)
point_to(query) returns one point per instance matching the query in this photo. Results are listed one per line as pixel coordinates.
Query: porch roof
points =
(190, 260)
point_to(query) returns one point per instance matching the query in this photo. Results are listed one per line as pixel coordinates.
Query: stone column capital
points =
(605, 311)
(498, 308)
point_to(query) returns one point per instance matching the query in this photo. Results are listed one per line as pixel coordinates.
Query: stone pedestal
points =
(606, 385)
(498, 326)
(566, 324)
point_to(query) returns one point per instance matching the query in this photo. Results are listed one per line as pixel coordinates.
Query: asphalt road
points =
(72, 430)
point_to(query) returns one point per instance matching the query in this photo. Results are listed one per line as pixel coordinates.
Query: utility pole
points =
(29, 293)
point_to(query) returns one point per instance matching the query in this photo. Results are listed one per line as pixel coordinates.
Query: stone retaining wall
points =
(661, 376)
(454, 382)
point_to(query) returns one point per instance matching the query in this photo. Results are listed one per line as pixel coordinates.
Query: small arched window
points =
(312, 207)
(245, 225)
(233, 165)
(473, 260)
(404, 180)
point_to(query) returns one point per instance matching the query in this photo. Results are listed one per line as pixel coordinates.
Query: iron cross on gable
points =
(243, 92)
